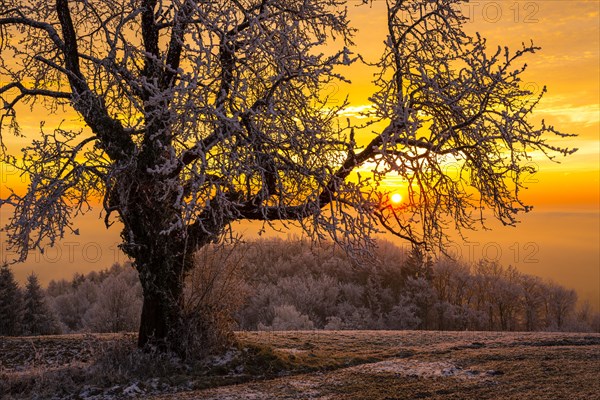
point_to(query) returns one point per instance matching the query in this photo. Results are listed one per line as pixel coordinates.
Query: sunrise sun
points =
(396, 198)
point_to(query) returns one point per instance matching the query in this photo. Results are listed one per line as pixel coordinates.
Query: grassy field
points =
(315, 365)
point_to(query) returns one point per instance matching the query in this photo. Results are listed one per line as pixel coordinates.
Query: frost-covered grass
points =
(99, 366)
(316, 364)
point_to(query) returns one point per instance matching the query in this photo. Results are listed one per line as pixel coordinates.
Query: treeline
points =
(105, 301)
(291, 284)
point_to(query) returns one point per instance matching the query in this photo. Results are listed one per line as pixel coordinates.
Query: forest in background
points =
(275, 284)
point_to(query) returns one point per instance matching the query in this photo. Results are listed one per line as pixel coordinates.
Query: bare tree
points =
(532, 289)
(201, 113)
(560, 306)
(117, 308)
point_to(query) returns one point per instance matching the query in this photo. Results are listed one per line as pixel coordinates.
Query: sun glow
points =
(396, 198)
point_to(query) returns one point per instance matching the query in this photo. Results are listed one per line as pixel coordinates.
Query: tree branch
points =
(113, 137)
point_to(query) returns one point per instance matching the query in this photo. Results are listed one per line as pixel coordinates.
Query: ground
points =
(312, 365)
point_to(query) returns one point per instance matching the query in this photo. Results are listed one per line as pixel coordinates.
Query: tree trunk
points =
(165, 324)
(162, 310)
(162, 250)
(162, 267)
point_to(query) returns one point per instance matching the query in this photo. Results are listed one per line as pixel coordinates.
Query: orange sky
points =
(563, 231)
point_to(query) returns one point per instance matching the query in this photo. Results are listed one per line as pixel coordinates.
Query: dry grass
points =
(319, 364)
(432, 365)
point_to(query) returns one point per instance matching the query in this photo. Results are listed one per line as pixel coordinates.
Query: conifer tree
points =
(11, 303)
(37, 317)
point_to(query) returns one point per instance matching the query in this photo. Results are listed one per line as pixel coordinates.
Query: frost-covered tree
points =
(100, 301)
(71, 306)
(560, 306)
(404, 315)
(117, 308)
(57, 288)
(288, 318)
(532, 288)
(11, 303)
(196, 114)
(423, 296)
(38, 319)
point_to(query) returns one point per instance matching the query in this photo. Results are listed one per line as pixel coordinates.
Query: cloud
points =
(356, 111)
(587, 115)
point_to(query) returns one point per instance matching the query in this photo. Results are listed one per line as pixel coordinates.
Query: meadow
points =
(310, 364)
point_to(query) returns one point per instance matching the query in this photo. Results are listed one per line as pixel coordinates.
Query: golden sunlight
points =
(396, 198)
